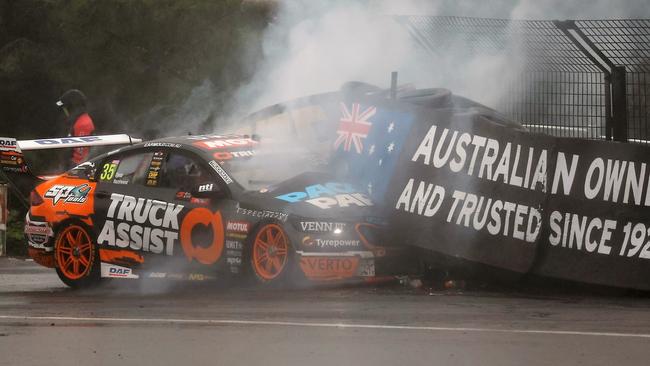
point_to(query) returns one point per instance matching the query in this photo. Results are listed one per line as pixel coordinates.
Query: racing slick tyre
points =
(76, 256)
(272, 258)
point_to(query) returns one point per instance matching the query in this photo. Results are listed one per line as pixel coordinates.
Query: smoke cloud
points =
(316, 46)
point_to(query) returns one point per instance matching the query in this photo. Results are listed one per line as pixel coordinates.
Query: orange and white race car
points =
(199, 207)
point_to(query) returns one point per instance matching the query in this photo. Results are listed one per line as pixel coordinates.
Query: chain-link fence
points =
(586, 79)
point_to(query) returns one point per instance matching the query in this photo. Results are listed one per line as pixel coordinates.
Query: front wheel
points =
(77, 259)
(271, 255)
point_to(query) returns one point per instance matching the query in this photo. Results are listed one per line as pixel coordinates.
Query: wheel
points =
(77, 258)
(271, 255)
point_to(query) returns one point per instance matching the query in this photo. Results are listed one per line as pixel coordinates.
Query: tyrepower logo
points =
(238, 226)
(330, 243)
(72, 194)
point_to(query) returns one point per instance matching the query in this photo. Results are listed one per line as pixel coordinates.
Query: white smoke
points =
(315, 46)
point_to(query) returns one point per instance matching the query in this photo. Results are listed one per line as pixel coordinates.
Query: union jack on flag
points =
(353, 127)
(373, 147)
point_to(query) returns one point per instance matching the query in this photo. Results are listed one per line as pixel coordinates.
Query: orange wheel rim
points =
(74, 252)
(270, 251)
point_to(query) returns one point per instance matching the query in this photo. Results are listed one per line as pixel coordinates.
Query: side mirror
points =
(85, 170)
(207, 190)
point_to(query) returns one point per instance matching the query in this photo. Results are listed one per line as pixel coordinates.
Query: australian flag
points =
(370, 140)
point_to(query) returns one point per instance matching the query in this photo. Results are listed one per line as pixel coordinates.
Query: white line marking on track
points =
(323, 325)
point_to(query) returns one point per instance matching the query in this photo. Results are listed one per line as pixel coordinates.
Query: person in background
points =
(73, 105)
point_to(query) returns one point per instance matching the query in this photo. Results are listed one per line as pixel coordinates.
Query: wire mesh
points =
(561, 87)
(626, 42)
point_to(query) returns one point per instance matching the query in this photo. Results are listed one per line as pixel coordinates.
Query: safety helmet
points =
(72, 99)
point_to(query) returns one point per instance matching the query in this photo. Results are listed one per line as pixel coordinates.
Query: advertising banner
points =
(457, 181)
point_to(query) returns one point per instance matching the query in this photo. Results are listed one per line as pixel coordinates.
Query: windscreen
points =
(271, 164)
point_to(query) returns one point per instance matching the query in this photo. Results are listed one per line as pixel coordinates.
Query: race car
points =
(202, 207)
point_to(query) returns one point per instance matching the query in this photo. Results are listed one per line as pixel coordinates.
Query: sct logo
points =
(72, 194)
(328, 195)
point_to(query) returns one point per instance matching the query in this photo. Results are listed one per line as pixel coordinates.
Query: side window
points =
(130, 169)
(181, 172)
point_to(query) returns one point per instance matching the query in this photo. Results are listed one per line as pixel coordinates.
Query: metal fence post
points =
(619, 103)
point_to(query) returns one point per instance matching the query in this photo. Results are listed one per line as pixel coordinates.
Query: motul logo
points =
(237, 226)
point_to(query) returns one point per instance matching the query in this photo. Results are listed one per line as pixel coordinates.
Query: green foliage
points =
(16, 245)
(128, 56)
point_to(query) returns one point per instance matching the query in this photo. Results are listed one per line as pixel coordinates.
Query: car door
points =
(123, 230)
(186, 180)
(167, 206)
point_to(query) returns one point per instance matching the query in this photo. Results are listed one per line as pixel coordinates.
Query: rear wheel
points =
(77, 259)
(271, 255)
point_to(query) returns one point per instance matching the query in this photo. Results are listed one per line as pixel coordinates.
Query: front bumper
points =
(40, 241)
(380, 262)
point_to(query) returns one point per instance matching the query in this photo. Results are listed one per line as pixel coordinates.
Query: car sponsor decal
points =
(238, 226)
(153, 173)
(115, 271)
(234, 260)
(156, 226)
(322, 226)
(308, 241)
(202, 216)
(225, 143)
(208, 187)
(12, 161)
(328, 195)
(141, 224)
(228, 155)
(38, 234)
(119, 256)
(184, 196)
(8, 144)
(68, 140)
(200, 201)
(162, 144)
(329, 267)
(233, 253)
(199, 277)
(233, 244)
(222, 173)
(263, 214)
(108, 170)
(69, 194)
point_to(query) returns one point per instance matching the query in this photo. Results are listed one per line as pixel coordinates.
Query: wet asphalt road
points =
(157, 323)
